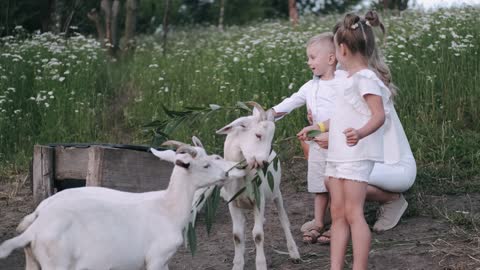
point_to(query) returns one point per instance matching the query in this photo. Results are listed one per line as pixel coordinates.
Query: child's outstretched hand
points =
(352, 136)
(303, 134)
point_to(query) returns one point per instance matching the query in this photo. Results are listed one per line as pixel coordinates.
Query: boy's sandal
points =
(311, 236)
(324, 238)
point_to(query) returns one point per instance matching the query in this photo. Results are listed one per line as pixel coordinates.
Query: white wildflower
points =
(214, 107)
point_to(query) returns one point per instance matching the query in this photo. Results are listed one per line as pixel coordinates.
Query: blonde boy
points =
(318, 94)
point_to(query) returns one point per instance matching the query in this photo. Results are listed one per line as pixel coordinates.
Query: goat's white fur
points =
(100, 228)
(250, 138)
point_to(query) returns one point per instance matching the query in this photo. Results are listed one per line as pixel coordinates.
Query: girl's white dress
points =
(351, 111)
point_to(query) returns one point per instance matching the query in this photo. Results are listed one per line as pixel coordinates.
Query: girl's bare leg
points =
(340, 230)
(354, 195)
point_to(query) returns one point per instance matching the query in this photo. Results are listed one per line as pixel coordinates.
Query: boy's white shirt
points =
(317, 94)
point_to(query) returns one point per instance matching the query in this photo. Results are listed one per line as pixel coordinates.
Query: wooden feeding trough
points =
(129, 168)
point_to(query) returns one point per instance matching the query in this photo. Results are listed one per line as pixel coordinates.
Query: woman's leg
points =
(394, 178)
(354, 194)
(392, 207)
(340, 230)
(375, 194)
(386, 182)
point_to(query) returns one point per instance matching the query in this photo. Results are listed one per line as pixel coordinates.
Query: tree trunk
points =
(130, 22)
(165, 25)
(106, 6)
(115, 11)
(7, 16)
(68, 21)
(93, 16)
(292, 11)
(56, 16)
(46, 12)
(222, 13)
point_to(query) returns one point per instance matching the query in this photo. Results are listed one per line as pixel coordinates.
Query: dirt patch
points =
(429, 241)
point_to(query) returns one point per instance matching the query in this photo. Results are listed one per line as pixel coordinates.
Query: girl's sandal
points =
(311, 236)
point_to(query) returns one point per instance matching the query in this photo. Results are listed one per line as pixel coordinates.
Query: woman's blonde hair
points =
(357, 35)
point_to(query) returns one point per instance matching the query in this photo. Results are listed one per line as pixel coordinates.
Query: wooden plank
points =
(95, 166)
(71, 162)
(133, 171)
(43, 161)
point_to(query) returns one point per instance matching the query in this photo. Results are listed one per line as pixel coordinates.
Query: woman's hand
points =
(322, 140)
(302, 135)
(352, 136)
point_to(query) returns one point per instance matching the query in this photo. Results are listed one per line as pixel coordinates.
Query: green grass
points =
(434, 58)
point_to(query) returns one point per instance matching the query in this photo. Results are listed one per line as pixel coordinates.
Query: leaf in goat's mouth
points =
(240, 165)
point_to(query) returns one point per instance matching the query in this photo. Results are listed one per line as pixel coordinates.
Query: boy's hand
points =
(302, 135)
(322, 140)
(352, 136)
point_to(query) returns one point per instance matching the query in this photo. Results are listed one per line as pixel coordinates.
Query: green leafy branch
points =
(163, 129)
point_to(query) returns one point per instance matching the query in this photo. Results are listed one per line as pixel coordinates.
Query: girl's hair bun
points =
(372, 18)
(349, 20)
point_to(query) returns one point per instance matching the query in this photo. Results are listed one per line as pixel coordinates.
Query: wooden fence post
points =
(95, 166)
(43, 171)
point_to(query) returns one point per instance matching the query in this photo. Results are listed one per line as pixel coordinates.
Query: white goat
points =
(100, 228)
(250, 138)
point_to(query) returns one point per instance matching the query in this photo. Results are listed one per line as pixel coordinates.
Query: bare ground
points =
(441, 235)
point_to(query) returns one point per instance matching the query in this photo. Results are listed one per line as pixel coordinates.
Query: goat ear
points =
(196, 141)
(270, 115)
(167, 155)
(183, 160)
(180, 163)
(225, 130)
(228, 128)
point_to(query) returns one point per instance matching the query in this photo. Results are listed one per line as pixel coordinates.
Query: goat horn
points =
(173, 143)
(187, 149)
(263, 114)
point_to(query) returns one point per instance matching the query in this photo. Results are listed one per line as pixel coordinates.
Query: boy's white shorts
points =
(317, 162)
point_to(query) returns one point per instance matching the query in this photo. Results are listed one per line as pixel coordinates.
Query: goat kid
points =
(250, 138)
(100, 228)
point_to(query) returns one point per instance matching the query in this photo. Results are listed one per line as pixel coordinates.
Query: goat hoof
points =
(296, 260)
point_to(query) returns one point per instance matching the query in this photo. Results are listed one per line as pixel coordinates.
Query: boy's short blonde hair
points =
(325, 39)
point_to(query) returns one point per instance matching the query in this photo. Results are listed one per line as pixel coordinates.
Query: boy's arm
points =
(291, 103)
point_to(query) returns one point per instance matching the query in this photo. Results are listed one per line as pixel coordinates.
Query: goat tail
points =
(8, 246)
(26, 222)
(20, 241)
